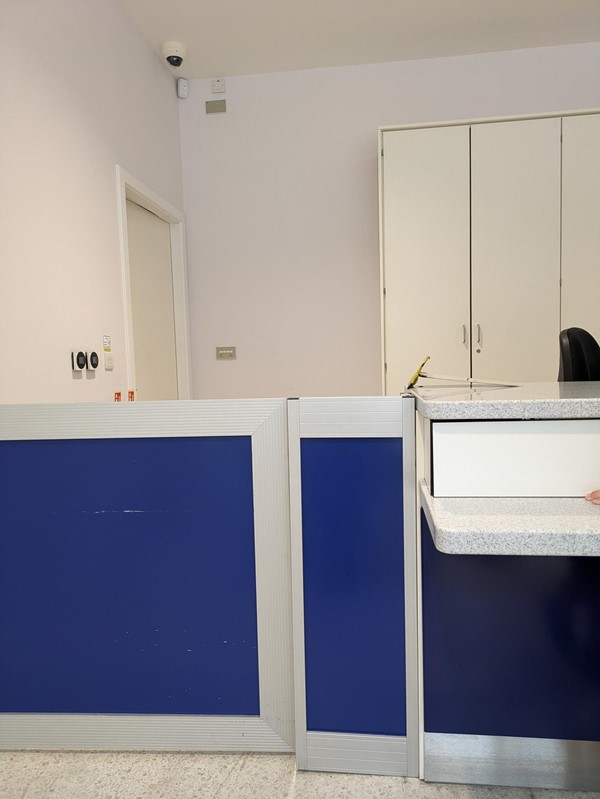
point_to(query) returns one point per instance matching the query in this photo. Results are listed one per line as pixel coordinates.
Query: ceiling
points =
(242, 37)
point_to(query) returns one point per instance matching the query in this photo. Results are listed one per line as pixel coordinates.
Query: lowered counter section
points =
(510, 577)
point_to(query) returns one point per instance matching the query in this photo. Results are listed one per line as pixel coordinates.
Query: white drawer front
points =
(554, 458)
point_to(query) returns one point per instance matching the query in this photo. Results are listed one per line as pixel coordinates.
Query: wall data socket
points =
(226, 354)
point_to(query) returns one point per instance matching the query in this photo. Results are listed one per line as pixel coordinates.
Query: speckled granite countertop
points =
(512, 526)
(454, 401)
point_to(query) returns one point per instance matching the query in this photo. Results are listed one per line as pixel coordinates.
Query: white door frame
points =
(130, 188)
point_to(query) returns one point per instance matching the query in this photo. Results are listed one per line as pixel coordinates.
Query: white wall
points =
(281, 206)
(81, 91)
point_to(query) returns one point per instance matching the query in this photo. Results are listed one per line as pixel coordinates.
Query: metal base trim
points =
(518, 762)
(141, 733)
(357, 754)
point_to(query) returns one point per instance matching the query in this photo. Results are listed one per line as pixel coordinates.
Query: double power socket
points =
(84, 359)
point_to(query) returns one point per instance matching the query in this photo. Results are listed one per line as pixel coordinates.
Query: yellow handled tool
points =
(417, 374)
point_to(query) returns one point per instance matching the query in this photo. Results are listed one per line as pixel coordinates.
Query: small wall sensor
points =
(78, 360)
(92, 360)
(183, 88)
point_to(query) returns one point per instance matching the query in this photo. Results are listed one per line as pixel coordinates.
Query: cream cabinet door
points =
(516, 210)
(581, 223)
(425, 244)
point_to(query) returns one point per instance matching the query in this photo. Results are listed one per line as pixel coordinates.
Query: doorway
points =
(154, 293)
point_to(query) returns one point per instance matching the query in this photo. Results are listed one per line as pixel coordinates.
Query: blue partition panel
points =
(353, 553)
(127, 579)
(511, 644)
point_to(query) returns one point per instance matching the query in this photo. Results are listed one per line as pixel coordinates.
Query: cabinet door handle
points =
(465, 339)
(479, 337)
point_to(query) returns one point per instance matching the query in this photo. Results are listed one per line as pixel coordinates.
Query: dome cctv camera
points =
(174, 53)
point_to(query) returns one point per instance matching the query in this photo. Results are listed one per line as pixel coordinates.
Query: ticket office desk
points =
(212, 575)
(510, 559)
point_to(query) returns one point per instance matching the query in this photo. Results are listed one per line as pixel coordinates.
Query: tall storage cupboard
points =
(580, 218)
(426, 251)
(515, 250)
(471, 250)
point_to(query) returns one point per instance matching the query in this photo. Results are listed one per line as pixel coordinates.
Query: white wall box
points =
(471, 245)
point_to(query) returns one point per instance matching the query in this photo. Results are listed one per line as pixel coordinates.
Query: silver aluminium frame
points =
(373, 417)
(265, 421)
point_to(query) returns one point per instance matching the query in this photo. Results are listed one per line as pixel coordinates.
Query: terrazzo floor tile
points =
(94, 775)
(89, 775)
(254, 777)
(547, 794)
(416, 789)
(317, 785)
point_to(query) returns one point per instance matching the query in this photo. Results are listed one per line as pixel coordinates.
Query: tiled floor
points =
(91, 775)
